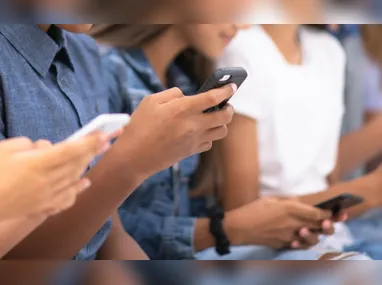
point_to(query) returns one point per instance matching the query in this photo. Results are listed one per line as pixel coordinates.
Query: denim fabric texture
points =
(52, 84)
(163, 228)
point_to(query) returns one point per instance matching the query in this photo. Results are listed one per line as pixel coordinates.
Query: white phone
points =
(107, 123)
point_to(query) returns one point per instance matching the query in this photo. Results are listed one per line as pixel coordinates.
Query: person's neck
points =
(286, 39)
(44, 27)
(163, 51)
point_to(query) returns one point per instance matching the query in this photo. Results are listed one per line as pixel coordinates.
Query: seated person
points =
(285, 135)
(160, 215)
(53, 82)
(367, 52)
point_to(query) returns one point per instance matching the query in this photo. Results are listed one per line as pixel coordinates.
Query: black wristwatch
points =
(222, 244)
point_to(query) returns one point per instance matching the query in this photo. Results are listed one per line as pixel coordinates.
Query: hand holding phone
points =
(107, 123)
(220, 78)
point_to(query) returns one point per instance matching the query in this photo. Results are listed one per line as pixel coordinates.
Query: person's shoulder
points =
(248, 39)
(248, 47)
(324, 41)
(81, 41)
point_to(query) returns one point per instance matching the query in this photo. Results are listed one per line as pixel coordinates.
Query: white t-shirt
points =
(298, 108)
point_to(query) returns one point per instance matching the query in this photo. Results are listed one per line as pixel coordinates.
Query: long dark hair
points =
(193, 63)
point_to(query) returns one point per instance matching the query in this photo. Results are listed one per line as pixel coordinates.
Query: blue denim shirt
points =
(50, 86)
(148, 214)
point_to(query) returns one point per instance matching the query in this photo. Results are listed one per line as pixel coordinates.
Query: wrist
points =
(232, 229)
(126, 159)
(118, 168)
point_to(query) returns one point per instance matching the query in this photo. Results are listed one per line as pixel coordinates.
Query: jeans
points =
(367, 231)
(264, 253)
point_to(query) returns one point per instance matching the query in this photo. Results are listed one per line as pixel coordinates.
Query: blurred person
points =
(367, 51)
(371, 45)
(285, 135)
(362, 96)
(354, 110)
(39, 179)
(160, 215)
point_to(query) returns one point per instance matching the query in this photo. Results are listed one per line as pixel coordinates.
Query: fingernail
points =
(304, 232)
(326, 225)
(105, 147)
(295, 244)
(234, 87)
(86, 184)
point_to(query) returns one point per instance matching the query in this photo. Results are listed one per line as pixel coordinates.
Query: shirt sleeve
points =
(251, 98)
(161, 237)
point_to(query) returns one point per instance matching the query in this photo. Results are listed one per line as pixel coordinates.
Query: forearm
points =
(202, 235)
(14, 231)
(237, 194)
(120, 245)
(62, 236)
(359, 147)
(367, 187)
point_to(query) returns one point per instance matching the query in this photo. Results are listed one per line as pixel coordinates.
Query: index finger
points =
(308, 213)
(212, 98)
(67, 151)
(16, 144)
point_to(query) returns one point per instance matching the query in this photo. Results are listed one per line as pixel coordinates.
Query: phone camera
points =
(225, 78)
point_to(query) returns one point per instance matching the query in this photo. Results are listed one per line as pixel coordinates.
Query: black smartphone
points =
(340, 203)
(220, 78)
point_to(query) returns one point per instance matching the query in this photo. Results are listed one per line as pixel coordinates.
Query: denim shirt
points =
(50, 86)
(148, 214)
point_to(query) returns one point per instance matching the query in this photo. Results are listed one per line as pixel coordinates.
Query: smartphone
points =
(340, 203)
(107, 123)
(220, 78)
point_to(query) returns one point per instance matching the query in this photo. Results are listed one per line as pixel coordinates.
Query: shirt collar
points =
(40, 49)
